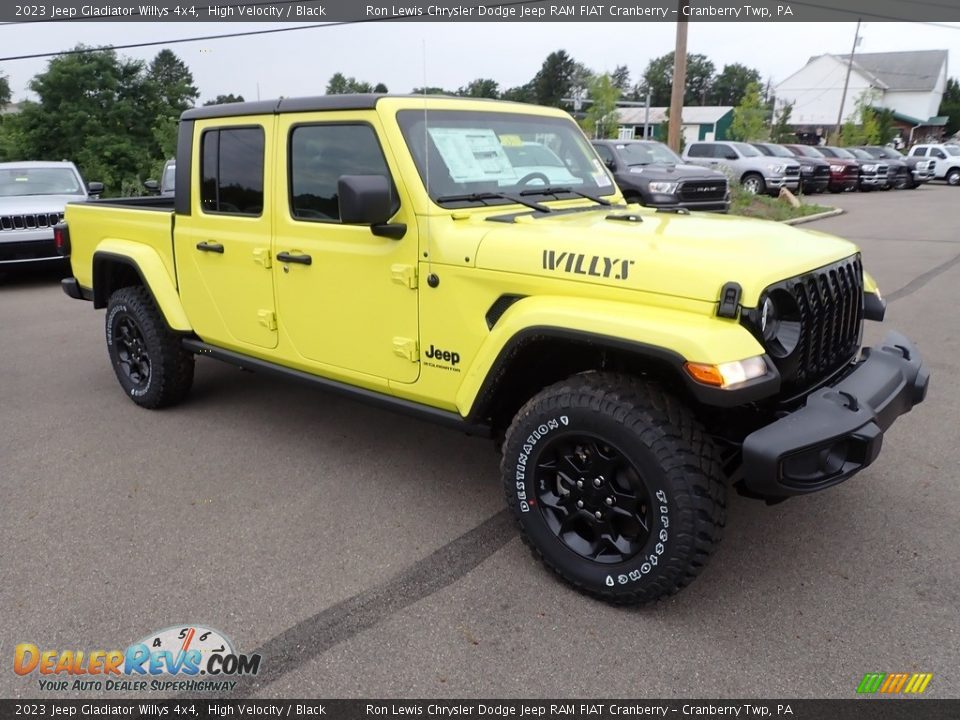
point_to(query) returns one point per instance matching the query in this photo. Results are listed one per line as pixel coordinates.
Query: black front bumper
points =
(840, 429)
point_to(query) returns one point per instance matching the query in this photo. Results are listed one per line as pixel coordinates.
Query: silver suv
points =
(756, 172)
(32, 199)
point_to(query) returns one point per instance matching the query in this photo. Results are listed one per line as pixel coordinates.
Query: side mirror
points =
(611, 164)
(152, 185)
(368, 200)
(364, 199)
(95, 188)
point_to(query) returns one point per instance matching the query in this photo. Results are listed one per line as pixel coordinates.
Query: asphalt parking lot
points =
(366, 554)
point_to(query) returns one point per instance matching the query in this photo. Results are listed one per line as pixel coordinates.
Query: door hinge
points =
(261, 256)
(267, 318)
(405, 275)
(407, 348)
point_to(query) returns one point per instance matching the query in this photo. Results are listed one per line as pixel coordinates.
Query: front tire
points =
(754, 184)
(615, 486)
(953, 177)
(147, 357)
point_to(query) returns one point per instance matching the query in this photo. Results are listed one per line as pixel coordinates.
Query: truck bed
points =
(139, 224)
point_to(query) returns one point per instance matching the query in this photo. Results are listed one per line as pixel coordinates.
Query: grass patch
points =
(765, 207)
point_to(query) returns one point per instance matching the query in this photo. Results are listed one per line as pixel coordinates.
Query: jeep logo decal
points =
(592, 265)
(447, 356)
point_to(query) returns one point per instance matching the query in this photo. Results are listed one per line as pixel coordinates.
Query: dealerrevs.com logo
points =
(171, 660)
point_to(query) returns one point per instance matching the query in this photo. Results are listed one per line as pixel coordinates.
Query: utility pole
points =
(846, 82)
(679, 78)
(646, 119)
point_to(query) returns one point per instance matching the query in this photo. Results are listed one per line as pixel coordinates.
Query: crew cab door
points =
(346, 296)
(223, 246)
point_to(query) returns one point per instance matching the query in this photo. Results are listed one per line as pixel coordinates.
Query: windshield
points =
(16, 182)
(889, 152)
(496, 152)
(843, 153)
(647, 153)
(862, 154)
(746, 150)
(874, 152)
(807, 151)
(952, 149)
(775, 150)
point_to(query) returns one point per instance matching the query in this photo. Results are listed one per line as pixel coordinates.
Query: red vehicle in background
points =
(844, 172)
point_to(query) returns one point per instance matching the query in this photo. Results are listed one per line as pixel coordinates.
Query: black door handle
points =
(207, 246)
(286, 257)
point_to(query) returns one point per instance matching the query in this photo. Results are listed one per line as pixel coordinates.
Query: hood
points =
(669, 172)
(689, 256)
(35, 204)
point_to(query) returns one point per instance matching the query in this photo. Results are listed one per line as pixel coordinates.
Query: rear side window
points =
(319, 155)
(700, 150)
(919, 152)
(231, 167)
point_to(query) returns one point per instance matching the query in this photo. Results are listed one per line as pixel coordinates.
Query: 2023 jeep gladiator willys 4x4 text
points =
(633, 363)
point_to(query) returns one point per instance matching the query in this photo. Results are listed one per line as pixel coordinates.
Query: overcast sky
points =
(300, 63)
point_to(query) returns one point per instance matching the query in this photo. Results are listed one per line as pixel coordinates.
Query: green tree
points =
(553, 81)
(522, 93)
(431, 91)
(885, 125)
(749, 117)
(950, 106)
(658, 79)
(4, 90)
(380, 89)
(864, 127)
(96, 109)
(170, 91)
(601, 117)
(780, 131)
(480, 88)
(620, 77)
(225, 99)
(730, 85)
(339, 84)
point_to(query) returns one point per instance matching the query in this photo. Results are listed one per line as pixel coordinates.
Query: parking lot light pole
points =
(679, 79)
(846, 81)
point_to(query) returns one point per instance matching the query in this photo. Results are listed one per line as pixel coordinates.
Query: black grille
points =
(831, 314)
(793, 171)
(821, 171)
(852, 170)
(31, 221)
(693, 191)
(829, 317)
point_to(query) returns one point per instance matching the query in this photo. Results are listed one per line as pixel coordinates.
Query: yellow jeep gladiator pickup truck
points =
(473, 263)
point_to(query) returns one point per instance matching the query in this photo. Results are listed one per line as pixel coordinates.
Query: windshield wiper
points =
(481, 196)
(561, 189)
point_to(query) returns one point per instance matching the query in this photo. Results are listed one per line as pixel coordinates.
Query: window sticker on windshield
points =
(600, 177)
(473, 155)
(511, 140)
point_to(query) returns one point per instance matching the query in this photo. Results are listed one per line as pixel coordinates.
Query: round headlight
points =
(778, 320)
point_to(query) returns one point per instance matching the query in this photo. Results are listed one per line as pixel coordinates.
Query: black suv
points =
(652, 174)
(814, 172)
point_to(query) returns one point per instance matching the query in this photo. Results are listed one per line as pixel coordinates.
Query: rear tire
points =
(615, 487)
(153, 368)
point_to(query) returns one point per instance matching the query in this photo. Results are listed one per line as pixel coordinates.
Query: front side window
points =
(462, 154)
(319, 155)
(231, 167)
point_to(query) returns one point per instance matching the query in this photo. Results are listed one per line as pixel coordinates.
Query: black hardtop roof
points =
(304, 104)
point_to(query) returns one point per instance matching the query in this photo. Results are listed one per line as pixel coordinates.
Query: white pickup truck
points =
(946, 158)
(32, 200)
